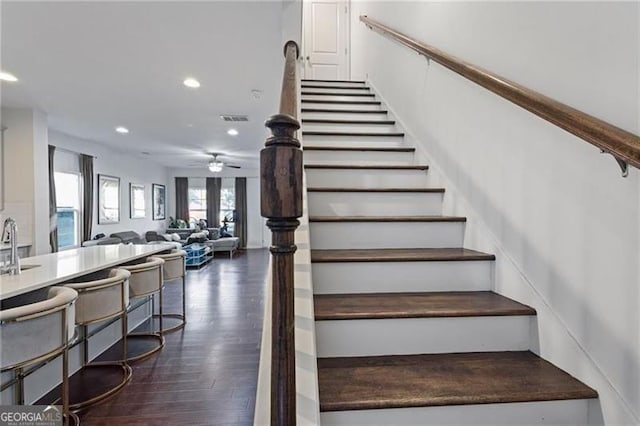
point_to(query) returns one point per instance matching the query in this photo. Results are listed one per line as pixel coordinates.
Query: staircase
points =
(408, 328)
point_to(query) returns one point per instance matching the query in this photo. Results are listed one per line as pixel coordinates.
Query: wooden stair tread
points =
(378, 382)
(347, 122)
(319, 86)
(356, 148)
(369, 95)
(360, 134)
(398, 255)
(333, 81)
(390, 190)
(328, 101)
(415, 305)
(387, 219)
(346, 111)
(366, 167)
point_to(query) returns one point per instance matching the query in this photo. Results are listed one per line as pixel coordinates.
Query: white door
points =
(326, 36)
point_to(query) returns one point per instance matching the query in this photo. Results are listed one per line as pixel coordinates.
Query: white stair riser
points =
(359, 97)
(369, 235)
(406, 336)
(334, 83)
(338, 107)
(354, 141)
(359, 157)
(392, 277)
(565, 412)
(334, 90)
(367, 178)
(375, 204)
(334, 127)
(345, 115)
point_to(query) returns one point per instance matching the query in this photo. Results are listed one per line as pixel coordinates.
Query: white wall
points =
(258, 235)
(26, 164)
(292, 21)
(564, 225)
(130, 169)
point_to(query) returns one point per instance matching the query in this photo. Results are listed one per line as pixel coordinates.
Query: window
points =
(228, 203)
(68, 197)
(197, 204)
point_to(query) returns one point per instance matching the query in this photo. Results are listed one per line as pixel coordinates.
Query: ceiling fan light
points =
(215, 166)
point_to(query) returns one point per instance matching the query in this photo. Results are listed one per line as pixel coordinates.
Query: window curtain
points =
(214, 185)
(53, 205)
(86, 170)
(182, 198)
(241, 211)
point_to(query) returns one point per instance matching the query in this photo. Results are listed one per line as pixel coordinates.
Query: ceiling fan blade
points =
(233, 167)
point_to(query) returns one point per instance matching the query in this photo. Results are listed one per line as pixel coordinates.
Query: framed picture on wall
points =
(108, 199)
(159, 202)
(137, 202)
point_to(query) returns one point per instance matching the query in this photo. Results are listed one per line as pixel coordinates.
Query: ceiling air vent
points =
(234, 118)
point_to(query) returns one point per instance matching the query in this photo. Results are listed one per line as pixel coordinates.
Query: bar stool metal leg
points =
(174, 268)
(19, 386)
(70, 418)
(103, 297)
(145, 282)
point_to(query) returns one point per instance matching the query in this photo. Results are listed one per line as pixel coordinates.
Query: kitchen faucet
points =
(11, 231)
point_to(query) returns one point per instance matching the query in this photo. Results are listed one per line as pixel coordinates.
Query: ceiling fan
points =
(216, 166)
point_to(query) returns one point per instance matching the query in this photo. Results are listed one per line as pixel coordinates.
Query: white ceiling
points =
(92, 66)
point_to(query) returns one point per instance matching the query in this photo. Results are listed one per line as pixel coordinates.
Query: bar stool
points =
(145, 282)
(174, 267)
(101, 297)
(37, 328)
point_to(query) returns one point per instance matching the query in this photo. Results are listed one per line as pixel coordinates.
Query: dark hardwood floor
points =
(207, 372)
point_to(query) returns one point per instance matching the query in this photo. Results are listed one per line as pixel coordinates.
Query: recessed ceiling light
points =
(5, 76)
(232, 132)
(122, 130)
(191, 82)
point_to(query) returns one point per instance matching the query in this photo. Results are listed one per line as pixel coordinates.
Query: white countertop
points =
(55, 268)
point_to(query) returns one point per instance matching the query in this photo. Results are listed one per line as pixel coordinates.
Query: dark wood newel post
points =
(281, 204)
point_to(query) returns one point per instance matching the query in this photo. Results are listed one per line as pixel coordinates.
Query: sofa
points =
(155, 236)
(218, 243)
(104, 241)
(209, 237)
(128, 237)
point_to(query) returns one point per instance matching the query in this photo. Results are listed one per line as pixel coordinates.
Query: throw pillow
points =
(214, 233)
(175, 237)
(197, 237)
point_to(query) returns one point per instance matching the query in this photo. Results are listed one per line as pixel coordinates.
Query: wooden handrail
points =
(289, 95)
(624, 146)
(281, 204)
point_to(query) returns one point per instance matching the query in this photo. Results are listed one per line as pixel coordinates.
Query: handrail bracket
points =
(624, 166)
